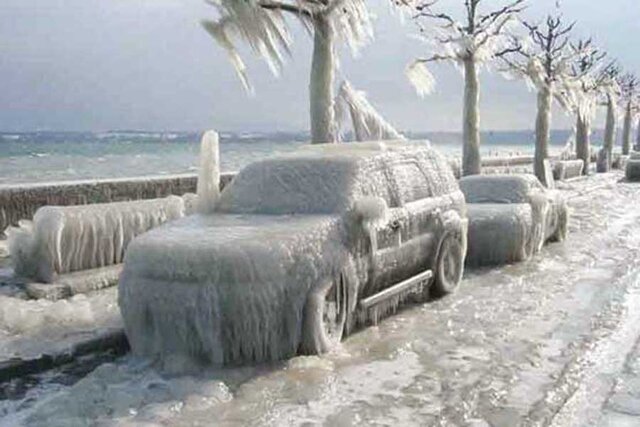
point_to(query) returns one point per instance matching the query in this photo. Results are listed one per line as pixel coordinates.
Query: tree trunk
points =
(543, 126)
(610, 130)
(471, 120)
(637, 148)
(626, 131)
(323, 122)
(583, 143)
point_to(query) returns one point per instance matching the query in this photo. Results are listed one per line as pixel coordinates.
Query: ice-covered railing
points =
(64, 239)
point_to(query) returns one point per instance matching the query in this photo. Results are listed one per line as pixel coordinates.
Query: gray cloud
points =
(146, 64)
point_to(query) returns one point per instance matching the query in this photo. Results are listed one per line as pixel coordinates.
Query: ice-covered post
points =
(263, 26)
(209, 173)
(542, 62)
(469, 44)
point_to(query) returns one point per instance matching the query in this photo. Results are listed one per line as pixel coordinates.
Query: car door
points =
(405, 244)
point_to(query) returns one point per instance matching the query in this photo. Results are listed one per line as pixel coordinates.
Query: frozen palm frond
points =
(263, 30)
(368, 124)
(353, 22)
(261, 24)
(421, 78)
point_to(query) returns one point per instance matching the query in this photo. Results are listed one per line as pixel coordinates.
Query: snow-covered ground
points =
(553, 341)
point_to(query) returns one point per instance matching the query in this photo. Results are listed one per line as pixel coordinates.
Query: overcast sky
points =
(147, 64)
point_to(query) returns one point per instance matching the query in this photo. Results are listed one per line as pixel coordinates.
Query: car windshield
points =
(292, 186)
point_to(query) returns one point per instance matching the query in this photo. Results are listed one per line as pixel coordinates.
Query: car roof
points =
(353, 150)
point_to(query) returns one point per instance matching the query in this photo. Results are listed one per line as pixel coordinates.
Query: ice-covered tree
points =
(264, 25)
(629, 84)
(543, 60)
(580, 93)
(609, 95)
(471, 43)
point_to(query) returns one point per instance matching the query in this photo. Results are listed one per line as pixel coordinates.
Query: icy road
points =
(555, 341)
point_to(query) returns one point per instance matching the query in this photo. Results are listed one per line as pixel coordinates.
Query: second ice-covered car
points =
(511, 217)
(302, 248)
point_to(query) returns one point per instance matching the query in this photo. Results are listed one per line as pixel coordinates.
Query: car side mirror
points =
(371, 210)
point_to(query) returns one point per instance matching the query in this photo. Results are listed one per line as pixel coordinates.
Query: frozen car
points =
(302, 249)
(511, 217)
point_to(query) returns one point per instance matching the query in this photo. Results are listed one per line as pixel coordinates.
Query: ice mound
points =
(632, 170)
(567, 169)
(63, 239)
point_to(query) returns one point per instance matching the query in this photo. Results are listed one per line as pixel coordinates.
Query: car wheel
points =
(324, 318)
(449, 266)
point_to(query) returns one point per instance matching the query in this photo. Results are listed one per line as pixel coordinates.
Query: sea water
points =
(55, 156)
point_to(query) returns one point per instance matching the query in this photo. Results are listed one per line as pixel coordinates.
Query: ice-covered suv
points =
(301, 249)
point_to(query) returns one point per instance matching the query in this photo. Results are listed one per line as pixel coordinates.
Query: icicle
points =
(209, 173)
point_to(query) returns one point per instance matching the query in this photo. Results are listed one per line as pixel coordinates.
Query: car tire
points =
(325, 318)
(449, 266)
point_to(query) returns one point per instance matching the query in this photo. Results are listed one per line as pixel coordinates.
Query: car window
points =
(411, 182)
(375, 180)
(290, 186)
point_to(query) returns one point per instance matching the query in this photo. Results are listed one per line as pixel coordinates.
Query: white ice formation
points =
(208, 173)
(63, 239)
(367, 123)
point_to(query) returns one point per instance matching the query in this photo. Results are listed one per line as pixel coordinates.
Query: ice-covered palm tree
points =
(470, 43)
(263, 25)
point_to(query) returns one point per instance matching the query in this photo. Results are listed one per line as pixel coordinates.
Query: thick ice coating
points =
(501, 207)
(248, 282)
(63, 239)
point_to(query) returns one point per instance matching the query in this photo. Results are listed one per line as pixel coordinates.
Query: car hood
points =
(233, 248)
